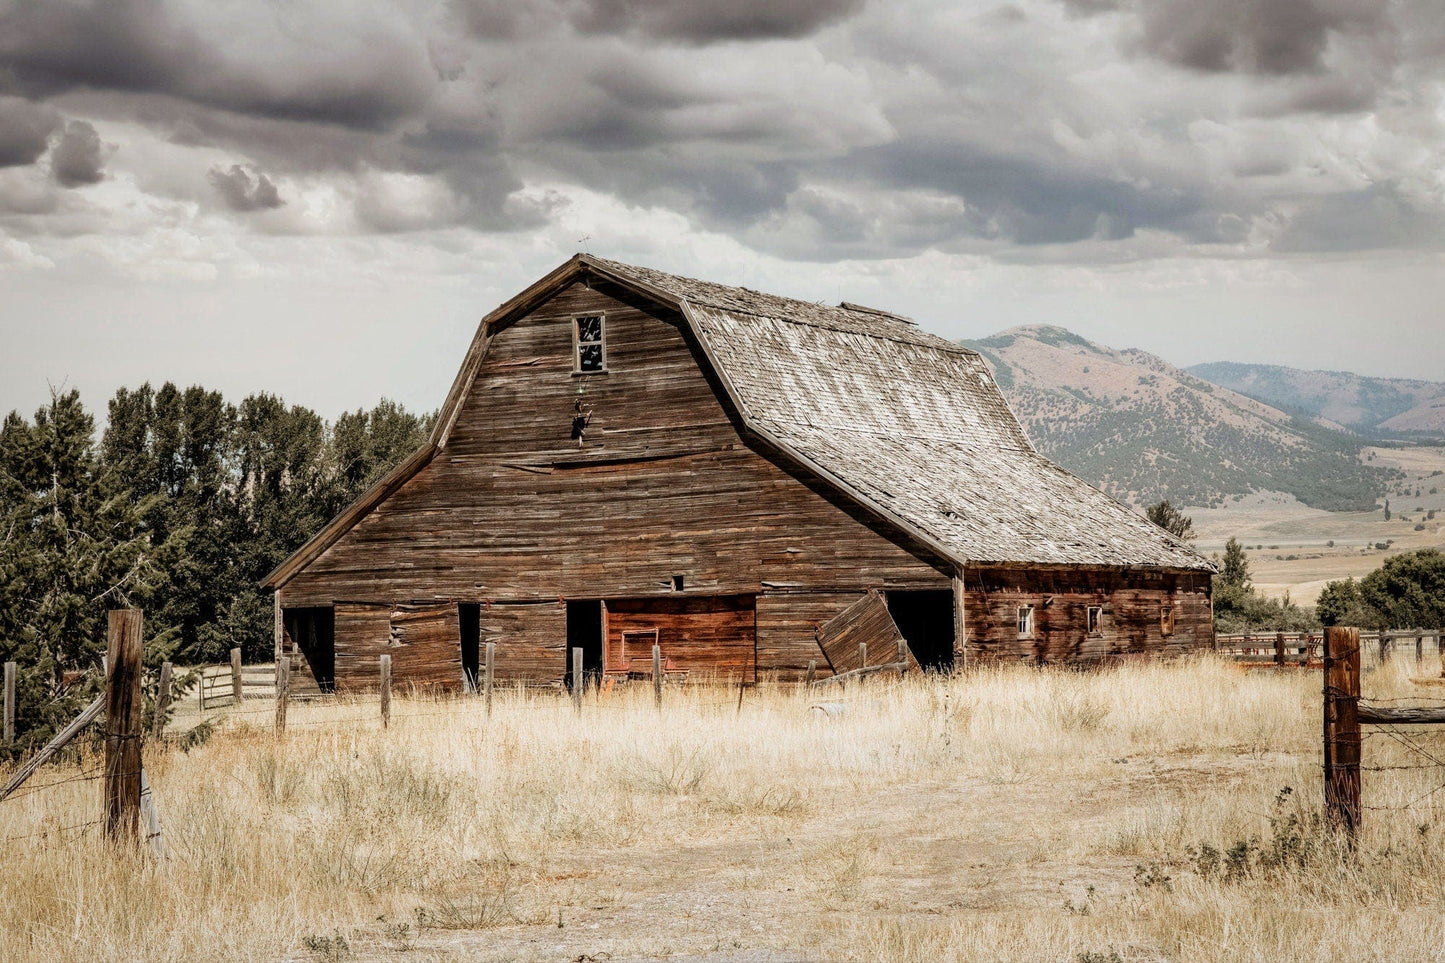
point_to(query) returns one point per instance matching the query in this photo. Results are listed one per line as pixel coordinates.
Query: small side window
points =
(590, 341)
(1096, 619)
(1026, 621)
(1166, 620)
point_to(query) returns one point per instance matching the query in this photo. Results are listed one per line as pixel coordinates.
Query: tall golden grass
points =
(1137, 813)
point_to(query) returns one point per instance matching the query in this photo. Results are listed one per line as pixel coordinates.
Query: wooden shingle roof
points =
(906, 423)
(912, 422)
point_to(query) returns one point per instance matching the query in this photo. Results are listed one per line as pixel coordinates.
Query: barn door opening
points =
(584, 631)
(926, 621)
(313, 630)
(469, 619)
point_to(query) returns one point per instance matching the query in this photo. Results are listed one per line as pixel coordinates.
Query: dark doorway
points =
(469, 621)
(584, 631)
(313, 631)
(926, 621)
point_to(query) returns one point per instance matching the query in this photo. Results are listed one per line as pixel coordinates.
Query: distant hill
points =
(1143, 429)
(1376, 407)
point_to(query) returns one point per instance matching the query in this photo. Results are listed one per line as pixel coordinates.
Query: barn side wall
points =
(1132, 623)
(514, 511)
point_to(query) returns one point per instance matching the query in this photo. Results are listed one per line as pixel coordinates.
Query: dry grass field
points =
(1147, 812)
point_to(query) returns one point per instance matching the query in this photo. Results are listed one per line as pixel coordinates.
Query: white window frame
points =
(577, 343)
(1026, 621)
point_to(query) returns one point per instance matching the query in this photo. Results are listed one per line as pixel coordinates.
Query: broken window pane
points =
(589, 344)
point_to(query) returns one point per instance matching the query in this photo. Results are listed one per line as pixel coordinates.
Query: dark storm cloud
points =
(1252, 36)
(78, 155)
(684, 21)
(244, 190)
(274, 69)
(25, 130)
(1027, 201)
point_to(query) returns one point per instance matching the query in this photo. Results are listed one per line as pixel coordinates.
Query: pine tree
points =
(1172, 520)
(1234, 569)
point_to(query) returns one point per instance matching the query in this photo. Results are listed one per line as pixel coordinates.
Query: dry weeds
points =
(1006, 814)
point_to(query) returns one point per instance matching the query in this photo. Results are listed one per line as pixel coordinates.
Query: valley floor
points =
(1003, 814)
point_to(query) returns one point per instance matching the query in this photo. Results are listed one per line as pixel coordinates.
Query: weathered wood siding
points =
(425, 646)
(531, 640)
(697, 635)
(1132, 603)
(363, 633)
(512, 510)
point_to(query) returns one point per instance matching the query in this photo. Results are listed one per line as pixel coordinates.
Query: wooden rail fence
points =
(232, 683)
(1305, 649)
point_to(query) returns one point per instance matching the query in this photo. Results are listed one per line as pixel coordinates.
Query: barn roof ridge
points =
(909, 425)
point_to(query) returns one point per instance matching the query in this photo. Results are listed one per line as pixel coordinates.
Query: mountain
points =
(1377, 407)
(1143, 429)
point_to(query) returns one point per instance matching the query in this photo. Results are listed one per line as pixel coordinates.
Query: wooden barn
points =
(750, 482)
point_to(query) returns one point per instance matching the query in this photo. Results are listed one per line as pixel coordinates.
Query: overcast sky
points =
(319, 198)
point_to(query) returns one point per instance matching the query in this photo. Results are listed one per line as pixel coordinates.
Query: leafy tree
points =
(1172, 520)
(1387, 509)
(1408, 590)
(1342, 603)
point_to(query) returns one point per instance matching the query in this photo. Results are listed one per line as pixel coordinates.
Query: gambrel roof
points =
(909, 425)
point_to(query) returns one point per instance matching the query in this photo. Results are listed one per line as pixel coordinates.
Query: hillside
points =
(1379, 407)
(1143, 429)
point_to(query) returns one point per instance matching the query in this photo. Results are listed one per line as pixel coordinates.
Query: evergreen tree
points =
(1234, 568)
(75, 546)
(1172, 520)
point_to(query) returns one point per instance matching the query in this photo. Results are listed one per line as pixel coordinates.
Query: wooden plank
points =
(9, 703)
(62, 738)
(862, 627)
(425, 645)
(163, 700)
(385, 666)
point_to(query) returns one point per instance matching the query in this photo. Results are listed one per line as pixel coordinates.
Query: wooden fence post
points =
(657, 675)
(283, 664)
(283, 691)
(577, 679)
(812, 671)
(488, 674)
(122, 724)
(1419, 647)
(9, 703)
(163, 700)
(1342, 729)
(150, 815)
(385, 691)
(862, 655)
(902, 658)
(236, 676)
(1279, 649)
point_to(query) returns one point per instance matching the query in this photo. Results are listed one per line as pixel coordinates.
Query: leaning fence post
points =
(862, 655)
(122, 723)
(9, 703)
(385, 691)
(150, 815)
(488, 675)
(902, 658)
(812, 671)
(577, 679)
(236, 676)
(657, 675)
(1342, 729)
(163, 700)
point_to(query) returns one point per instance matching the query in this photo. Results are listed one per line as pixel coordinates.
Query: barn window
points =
(1096, 619)
(590, 342)
(1026, 621)
(1166, 620)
